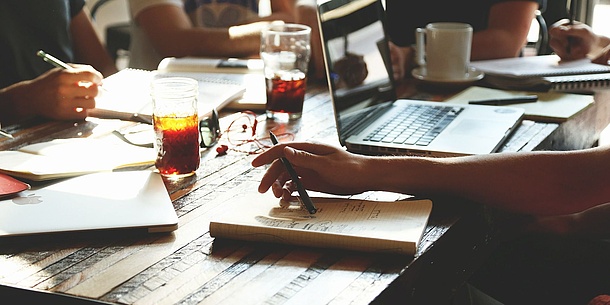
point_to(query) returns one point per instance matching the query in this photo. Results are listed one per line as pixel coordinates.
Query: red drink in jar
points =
(177, 145)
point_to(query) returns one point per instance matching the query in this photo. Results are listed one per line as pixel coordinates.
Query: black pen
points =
(295, 179)
(506, 101)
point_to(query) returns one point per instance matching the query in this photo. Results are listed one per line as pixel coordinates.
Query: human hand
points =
(321, 167)
(573, 41)
(402, 60)
(603, 58)
(58, 93)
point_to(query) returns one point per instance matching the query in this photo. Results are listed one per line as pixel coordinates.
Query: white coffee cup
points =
(443, 49)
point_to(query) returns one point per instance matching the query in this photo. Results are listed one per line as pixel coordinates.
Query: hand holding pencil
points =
(572, 41)
(64, 93)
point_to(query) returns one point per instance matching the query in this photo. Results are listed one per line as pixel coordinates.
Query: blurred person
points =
(500, 27)
(31, 87)
(178, 28)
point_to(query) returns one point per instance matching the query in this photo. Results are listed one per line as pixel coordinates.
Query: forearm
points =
(552, 183)
(238, 41)
(9, 103)
(493, 44)
(590, 223)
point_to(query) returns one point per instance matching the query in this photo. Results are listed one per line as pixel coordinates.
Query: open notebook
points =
(369, 118)
(128, 92)
(247, 72)
(99, 201)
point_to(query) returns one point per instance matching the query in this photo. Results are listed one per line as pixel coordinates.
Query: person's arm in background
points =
(506, 34)
(307, 13)
(172, 33)
(62, 94)
(582, 40)
(87, 46)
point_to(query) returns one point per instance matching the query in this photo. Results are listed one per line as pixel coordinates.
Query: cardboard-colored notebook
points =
(353, 224)
(553, 107)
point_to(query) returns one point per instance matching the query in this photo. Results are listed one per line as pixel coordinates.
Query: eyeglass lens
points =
(209, 128)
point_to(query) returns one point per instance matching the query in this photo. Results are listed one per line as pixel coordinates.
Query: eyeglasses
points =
(209, 132)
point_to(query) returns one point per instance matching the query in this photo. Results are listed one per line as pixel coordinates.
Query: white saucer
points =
(472, 76)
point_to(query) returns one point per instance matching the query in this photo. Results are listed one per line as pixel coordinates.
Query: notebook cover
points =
(10, 186)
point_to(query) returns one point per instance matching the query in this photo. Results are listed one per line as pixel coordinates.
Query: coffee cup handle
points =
(420, 50)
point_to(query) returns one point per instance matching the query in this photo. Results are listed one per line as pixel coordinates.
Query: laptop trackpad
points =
(479, 128)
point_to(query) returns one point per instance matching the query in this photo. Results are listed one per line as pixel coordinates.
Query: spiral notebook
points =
(544, 73)
(128, 91)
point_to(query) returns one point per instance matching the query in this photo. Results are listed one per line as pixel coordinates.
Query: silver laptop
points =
(369, 118)
(99, 201)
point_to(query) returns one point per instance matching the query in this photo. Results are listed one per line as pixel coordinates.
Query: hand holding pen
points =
(64, 95)
(303, 196)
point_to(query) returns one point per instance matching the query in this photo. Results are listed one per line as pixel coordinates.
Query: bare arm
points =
(592, 222)
(506, 35)
(57, 94)
(172, 34)
(536, 183)
(88, 48)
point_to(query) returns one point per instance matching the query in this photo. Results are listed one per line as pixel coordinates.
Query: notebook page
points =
(356, 224)
(62, 158)
(129, 91)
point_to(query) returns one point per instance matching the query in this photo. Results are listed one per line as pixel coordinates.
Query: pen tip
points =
(40, 53)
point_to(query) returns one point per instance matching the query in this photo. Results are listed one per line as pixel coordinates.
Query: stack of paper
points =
(544, 73)
(128, 91)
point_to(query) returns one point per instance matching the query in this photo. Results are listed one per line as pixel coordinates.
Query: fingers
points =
(273, 173)
(300, 154)
(277, 151)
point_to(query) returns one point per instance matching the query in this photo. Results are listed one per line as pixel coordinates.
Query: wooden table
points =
(188, 266)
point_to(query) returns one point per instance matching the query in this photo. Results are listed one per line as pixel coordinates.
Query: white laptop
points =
(99, 201)
(359, 72)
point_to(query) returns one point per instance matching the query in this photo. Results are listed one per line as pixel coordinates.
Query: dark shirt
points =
(27, 26)
(403, 19)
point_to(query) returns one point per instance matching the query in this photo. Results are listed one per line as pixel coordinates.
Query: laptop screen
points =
(357, 60)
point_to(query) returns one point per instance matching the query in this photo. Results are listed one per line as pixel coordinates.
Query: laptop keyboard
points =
(415, 124)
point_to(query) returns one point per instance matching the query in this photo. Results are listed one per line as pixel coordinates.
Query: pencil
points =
(571, 7)
(304, 197)
(6, 134)
(53, 60)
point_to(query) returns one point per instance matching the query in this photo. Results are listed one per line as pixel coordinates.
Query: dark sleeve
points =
(75, 7)
(402, 20)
